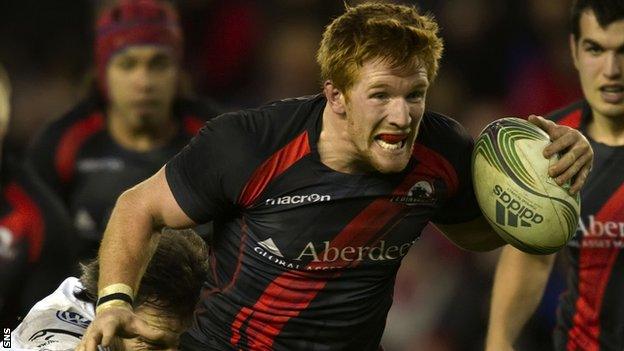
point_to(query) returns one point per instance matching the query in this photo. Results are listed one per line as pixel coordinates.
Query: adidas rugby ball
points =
(517, 197)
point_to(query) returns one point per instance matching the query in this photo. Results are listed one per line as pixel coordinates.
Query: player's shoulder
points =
(274, 123)
(57, 322)
(86, 116)
(438, 130)
(571, 114)
(200, 108)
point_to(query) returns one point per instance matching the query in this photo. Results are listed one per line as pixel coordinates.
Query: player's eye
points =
(379, 96)
(160, 63)
(594, 50)
(416, 95)
(126, 63)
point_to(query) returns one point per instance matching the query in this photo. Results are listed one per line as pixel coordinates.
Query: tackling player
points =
(315, 200)
(131, 124)
(58, 321)
(591, 311)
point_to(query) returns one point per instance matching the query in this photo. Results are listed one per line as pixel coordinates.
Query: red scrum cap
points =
(134, 22)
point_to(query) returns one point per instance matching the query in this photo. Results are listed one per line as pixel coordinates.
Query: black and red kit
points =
(36, 252)
(77, 157)
(304, 257)
(591, 311)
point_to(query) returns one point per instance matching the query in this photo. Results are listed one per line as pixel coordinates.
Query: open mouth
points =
(391, 141)
(612, 88)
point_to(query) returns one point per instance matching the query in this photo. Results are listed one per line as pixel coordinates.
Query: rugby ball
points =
(517, 197)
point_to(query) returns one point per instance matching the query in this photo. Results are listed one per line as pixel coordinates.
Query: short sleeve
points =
(205, 176)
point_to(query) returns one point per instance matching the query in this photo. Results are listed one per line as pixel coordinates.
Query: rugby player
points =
(591, 311)
(315, 199)
(135, 119)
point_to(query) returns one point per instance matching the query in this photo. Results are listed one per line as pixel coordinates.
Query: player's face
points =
(599, 57)
(383, 109)
(142, 83)
(155, 318)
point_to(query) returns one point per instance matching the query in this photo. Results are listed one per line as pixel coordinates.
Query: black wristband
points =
(114, 296)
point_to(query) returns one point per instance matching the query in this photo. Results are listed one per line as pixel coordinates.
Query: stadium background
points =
(501, 58)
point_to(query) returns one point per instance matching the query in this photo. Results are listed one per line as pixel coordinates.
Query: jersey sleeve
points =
(206, 176)
(461, 206)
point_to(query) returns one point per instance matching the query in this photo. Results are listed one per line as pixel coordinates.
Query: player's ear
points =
(335, 98)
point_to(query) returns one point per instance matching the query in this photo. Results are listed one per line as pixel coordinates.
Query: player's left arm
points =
(474, 235)
(576, 153)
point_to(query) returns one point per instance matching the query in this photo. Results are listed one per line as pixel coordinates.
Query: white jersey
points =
(55, 323)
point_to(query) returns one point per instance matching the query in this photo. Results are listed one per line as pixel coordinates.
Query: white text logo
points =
(298, 199)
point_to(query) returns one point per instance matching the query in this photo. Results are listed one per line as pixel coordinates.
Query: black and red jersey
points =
(36, 252)
(304, 257)
(591, 311)
(78, 158)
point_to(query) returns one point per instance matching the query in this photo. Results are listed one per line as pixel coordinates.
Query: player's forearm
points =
(476, 235)
(518, 288)
(128, 241)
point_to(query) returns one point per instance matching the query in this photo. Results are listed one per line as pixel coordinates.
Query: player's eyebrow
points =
(589, 41)
(421, 84)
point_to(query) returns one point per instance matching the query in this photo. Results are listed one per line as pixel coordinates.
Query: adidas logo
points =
(512, 212)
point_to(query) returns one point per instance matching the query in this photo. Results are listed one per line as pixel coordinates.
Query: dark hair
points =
(606, 12)
(173, 278)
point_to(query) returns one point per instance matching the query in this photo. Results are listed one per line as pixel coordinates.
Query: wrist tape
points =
(114, 295)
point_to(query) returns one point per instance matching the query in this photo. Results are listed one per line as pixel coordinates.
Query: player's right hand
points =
(122, 322)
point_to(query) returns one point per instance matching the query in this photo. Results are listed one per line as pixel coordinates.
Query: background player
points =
(58, 321)
(591, 313)
(35, 231)
(131, 124)
(315, 199)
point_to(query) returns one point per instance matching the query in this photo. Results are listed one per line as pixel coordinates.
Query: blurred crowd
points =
(501, 58)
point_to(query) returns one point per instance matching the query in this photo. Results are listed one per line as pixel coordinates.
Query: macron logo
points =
(270, 246)
(297, 199)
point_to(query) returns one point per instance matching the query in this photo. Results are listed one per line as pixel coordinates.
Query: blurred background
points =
(502, 58)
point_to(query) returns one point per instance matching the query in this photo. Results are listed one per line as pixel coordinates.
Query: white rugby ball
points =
(517, 197)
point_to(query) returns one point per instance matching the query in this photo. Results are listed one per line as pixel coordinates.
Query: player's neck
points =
(140, 138)
(335, 148)
(606, 130)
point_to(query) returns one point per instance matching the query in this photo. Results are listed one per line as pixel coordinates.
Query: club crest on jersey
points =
(420, 193)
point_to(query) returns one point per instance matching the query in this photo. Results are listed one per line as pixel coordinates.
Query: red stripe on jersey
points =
(440, 165)
(273, 167)
(71, 142)
(25, 221)
(595, 268)
(292, 292)
(192, 124)
(572, 119)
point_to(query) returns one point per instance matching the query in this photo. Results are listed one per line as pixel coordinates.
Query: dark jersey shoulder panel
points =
(41, 154)
(450, 140)
(209, 174)
(571, 115)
